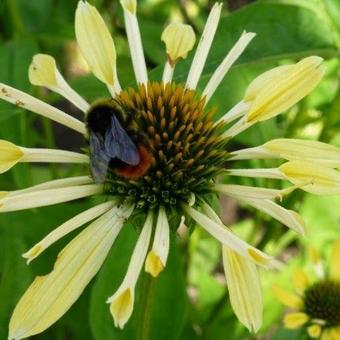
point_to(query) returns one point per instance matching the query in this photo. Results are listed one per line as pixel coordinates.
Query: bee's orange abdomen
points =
(136, 171)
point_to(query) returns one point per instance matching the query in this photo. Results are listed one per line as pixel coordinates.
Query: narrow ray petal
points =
(289, 218)
(257, 173)
(312, 177)
(158, 255)
(135, 40)
(203, 47)
(121, 303)
(96, 45)
(43, 198)
(43, 71)
(300, 280)
(228, 61)
(226, 237)
(50, 296)
(54, 184)
(244, 287)
(10, 154)
(67, 227)
(30, 103)
(239, 110)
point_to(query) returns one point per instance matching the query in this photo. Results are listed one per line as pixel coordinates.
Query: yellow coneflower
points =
(157, 154)
(316, 303)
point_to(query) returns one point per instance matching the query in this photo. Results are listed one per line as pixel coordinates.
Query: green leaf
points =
(151, 319)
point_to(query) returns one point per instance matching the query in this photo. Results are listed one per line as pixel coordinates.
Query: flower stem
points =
(147, 291)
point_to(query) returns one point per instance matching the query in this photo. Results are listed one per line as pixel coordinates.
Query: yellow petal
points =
(312, 177)
(287, 298)
(300, 280)
(326, 335)
(122, 306)
(284, 88)
(244, 289)
(95, 43)
(10, 155)
(335, 333)
(157, 257)
(306, 150)
(42, 71)
(129, 5)
(295, 320)
(122, 301)
(314, 331)
(335, 261)
(50, 296)
(313, 255)
(153, 264)
(179, 40)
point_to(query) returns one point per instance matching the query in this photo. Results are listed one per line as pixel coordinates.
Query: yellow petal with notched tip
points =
(50, 296)
(287, 298)
(244, 288)
(179, 40)
(295, 320)
(122, 307)
(314, 331)
(312, 177)
(335, 262)
(95, 43)
(306, 150)
(10, 154)
(283, 88)
(42, 71)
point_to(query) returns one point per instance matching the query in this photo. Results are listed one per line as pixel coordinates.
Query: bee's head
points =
(98, 118)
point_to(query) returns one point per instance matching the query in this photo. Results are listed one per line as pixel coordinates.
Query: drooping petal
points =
(41, 198)
(96, 45)
(203, 47)
(50, 296)
(289, 218)
(43, 71)
(282, 88)
(334, 269)
(135, 40)
(158, 255)
(306, 150)
(295, 320)
(226, 237)
(227, 62)
(312, 177)
(287, 298)
(30, 103)
(66, 228)
(244, 288)
(10, 154)
(121, 303)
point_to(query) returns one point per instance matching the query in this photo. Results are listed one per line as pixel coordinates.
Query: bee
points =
(114, 143)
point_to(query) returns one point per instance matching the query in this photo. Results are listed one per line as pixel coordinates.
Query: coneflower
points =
(180, 148)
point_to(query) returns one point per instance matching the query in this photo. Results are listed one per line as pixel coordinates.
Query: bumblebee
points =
(115, 143)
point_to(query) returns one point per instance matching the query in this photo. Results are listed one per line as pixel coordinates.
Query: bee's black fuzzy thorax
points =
(185, 146)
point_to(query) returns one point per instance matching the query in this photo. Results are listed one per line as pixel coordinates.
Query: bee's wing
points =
(99, 161)
(119, 145)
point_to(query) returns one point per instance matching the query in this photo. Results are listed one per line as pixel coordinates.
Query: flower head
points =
(155, 150)
(316, 302)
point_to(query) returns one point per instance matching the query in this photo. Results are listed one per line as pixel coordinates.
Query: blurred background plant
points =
(190, 300)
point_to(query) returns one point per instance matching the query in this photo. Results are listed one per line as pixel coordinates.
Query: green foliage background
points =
(189, 300)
